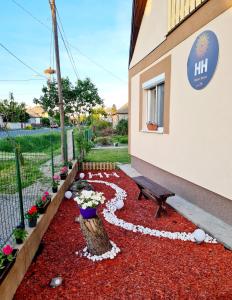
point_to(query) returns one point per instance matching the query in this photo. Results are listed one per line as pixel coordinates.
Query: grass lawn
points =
(36, 150)
(109, 155)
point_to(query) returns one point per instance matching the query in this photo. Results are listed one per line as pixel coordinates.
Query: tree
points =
(95, 114)
(79, 99)
(122, 127)
(11, 111)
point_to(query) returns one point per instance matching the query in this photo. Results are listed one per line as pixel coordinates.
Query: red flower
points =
(7, 250)
(46, 193)
(32, 210)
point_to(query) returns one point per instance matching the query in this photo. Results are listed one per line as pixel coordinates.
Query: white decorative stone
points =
(199, 236)
(82, 175)
(119, 204)
(108, 255)
(111, 208)
(68, 195)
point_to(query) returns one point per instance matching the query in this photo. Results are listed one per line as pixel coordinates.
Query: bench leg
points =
(161, 208)
(140, 194)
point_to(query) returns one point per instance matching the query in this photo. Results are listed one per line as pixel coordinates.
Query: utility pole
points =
(61, 103)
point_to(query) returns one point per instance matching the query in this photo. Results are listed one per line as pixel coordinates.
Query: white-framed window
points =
(154, 97)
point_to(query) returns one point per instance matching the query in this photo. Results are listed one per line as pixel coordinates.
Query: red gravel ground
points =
(147, 268)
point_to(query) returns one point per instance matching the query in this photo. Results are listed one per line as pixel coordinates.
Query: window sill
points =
(158, 131)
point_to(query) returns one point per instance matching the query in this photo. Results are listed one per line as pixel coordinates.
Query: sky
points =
(99, 32)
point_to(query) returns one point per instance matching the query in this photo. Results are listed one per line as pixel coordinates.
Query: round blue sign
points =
(203, 58)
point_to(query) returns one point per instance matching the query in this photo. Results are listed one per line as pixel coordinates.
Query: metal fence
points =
(27, 166)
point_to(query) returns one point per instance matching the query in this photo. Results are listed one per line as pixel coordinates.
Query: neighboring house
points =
(121, 114)
(180, 79)
(36, 113)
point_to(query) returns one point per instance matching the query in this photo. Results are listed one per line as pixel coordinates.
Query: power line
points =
(66, 44)
(98, 65)
(13, 80)
(30, 14)
(74, 47)
(21, 61)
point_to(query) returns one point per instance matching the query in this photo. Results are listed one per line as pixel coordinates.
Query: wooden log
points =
(95, 235)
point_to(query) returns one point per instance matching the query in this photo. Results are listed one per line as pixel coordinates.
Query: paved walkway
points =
(214, 226)
(109, 147)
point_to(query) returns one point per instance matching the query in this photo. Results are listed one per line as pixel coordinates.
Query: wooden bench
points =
(152, 190)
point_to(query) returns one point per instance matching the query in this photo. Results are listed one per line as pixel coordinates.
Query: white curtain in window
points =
(151, 105)
(160, 105)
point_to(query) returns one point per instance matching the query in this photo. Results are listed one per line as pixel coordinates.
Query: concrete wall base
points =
(215, 204)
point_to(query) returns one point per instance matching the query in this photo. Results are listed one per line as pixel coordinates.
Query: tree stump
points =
(95, 235)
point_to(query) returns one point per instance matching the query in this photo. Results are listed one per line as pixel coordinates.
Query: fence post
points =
(19, 184)
(73, 144)
(52, 157)
(65, 147)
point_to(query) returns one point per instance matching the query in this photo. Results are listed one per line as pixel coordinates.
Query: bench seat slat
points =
(155, 189)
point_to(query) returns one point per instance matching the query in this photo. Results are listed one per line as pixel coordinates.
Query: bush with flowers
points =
(63, 172)
(7, 257)
(32, 213)
(89, 199)
(32, 216)
(56, 180)
(43, 202)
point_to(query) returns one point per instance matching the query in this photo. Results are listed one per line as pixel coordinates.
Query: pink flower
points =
(46, 193)
(44, 198)
(64, 170)
(7, 250)
(56, 177)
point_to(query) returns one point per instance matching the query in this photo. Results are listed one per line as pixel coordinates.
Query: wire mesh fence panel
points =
(34, 171)
(9, 197)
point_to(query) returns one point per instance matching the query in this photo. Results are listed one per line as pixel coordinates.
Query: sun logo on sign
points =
(202, 45)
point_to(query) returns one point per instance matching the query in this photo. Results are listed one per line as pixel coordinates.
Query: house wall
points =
(35, 121)
(198, 145)
(153, 29)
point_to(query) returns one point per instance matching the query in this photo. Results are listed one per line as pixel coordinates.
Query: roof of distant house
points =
(123, 109)
(36, 111)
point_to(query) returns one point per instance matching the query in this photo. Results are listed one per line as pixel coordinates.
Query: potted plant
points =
(88, 202)
(70, 164)
(32, 216)
(152, 126)
(43, 202)
(63, 172)
(7, 259)
(19, 234)
(55, 183)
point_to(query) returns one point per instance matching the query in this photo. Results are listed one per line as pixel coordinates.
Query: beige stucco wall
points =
(199, 145)
(153, 29)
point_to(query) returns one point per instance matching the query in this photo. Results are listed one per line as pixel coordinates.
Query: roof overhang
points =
(136, 20)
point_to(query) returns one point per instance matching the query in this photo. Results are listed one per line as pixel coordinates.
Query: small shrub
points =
(122, 127)
(107, 131)
(45, 122)
(104, 141)
(28, 127)
(123, 139)
(100, 126)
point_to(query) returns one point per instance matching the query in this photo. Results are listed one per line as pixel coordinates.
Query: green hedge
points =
(31, 143)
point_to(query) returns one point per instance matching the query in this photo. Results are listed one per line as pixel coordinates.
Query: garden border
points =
(28, 250)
